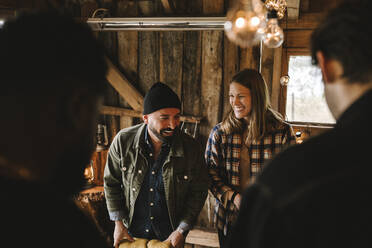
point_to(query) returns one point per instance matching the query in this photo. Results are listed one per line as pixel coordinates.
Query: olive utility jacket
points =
(185, 176)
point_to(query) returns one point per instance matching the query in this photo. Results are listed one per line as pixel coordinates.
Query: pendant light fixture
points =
(251, 21)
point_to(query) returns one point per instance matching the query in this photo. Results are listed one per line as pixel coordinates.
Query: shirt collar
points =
(360, 108)
(148, 141)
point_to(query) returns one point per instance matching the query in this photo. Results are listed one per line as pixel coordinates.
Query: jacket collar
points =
(176, 149)
(358, 111)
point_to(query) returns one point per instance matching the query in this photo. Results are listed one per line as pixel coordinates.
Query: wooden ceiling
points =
(294, 10)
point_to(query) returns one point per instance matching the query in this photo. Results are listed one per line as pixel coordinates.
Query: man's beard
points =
(160, 135)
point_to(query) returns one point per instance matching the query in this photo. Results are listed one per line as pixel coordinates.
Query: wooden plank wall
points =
(197, 65)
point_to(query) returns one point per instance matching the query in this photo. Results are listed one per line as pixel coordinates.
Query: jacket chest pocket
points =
(127, 171)
(183, 181)
(183, 178)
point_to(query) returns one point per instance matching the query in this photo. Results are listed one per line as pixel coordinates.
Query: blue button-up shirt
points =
(151, 218)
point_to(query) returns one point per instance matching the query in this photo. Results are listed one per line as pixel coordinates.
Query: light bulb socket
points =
(272, 14)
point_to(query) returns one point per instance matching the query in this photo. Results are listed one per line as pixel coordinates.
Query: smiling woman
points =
(250, 135)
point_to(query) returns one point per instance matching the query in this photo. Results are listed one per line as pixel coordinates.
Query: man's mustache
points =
(168, 130)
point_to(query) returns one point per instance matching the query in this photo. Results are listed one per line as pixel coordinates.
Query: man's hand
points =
(177, 239)
(120, 233)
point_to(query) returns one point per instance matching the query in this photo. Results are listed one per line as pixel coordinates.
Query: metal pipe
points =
(157, 23)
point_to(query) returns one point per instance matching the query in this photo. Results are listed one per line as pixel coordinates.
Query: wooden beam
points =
(267, 66)
(166, 6)
(108, 110)
(124, 87)
(211, 69)
(304, 6)
(277, 73)
(293, 9)
(127, 53)
(297, 39)
(203, 237)
(306, 21)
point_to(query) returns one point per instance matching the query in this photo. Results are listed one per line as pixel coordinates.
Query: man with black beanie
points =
(155, 178)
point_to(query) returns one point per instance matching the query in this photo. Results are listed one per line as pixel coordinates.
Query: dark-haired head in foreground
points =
(52, 74)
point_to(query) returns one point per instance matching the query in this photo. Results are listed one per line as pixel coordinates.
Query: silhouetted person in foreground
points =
(317, 194)
(52, 75)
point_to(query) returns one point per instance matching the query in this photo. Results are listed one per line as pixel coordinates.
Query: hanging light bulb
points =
(284, 80)
(273, 35)
(279, 5)
(244, 19)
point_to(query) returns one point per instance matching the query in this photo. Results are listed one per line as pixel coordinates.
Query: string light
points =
(244, 19)
(284, 80)
(273, 34)
(279, 6)
(251, 21)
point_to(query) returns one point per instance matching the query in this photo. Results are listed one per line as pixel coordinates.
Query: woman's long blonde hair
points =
(263, 119)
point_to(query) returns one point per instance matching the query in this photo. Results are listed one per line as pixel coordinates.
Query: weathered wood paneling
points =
(212, 43)
(250, 57)
(148, 56)
(127, 54)
(109, 40)
(171, 52)
(148, 50)
(191, 83)
(191, 75)
(198, 65)
(267, 63)
(230, 68)
(297, 38)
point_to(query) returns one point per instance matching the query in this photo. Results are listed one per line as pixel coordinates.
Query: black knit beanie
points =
(158, 97)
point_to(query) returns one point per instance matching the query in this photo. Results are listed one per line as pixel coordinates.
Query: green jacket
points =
(185, 176)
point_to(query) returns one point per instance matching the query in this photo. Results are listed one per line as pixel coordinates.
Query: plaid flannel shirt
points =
(223, 160)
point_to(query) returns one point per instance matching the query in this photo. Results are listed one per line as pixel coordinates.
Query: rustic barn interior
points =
(197, 65)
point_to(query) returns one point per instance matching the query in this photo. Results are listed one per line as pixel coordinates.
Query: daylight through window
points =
(305, 95)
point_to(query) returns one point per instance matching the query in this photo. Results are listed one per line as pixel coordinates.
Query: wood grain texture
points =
(191, 75)
(277, 73)
(212, 69)
(109, 41)
(170, 66)
(211, 79)
(124, 87)
(267, 65)
(148, 49)
(297, 38)
(191, 68)
(166, 6)
(305, 21)
(203, 237)
(213, 7)
(148, 67)
(250, 57)
(127, 54)
(293, 9)
(231, 67)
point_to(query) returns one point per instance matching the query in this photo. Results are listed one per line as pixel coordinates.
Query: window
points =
(305, 93)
